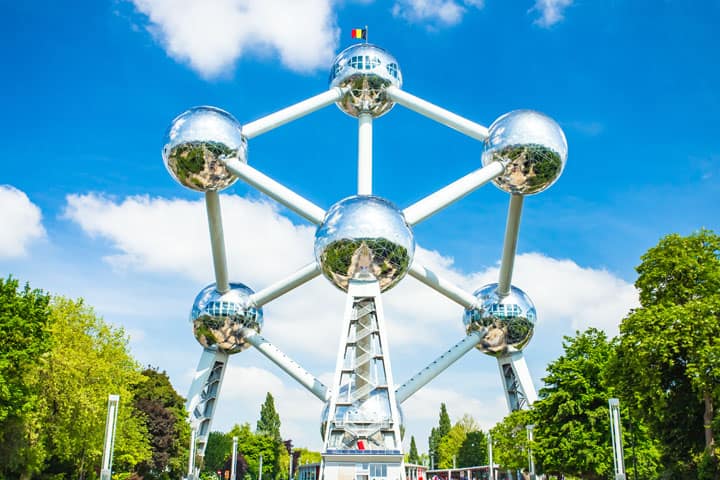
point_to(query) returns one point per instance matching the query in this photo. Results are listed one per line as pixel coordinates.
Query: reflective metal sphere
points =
(534, 147)
(197, 142)
(364, 238)
(366, 69)
(218, 319)
(510, 320)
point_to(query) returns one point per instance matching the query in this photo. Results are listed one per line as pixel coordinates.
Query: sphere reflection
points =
(219, 320)
(510, 320)
(366, 70)
(364, 238)
(532, 145)
(196, 144)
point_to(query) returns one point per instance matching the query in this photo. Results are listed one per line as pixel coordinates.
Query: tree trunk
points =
(708, 419)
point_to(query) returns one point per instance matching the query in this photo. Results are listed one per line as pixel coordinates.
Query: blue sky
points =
(88, 209)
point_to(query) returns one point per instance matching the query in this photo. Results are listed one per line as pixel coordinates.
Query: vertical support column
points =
(109, 444)
(517, 383)
(217, 241)
(512, 229)
(203, 394)
(365, 142)
(616, 437)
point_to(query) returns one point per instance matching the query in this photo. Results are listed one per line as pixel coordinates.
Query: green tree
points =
(510, 443)
(25, 334)
(88, 361)
(166, 422)
(451, 444)
(437, 434)
(413, 456)
(473, 450)
(269, 422)
(572, 434)
(668, 362)
(217, 451)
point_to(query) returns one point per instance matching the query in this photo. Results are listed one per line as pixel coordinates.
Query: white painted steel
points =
(277, 191)
(365, 158)
(516, 360)
(293, 112)
(616, 437)
(191, 457)
(217, 241)
(449, 289)
(234, 458)
(288, 365)
(439, 114)
(422, 209)
(109, 445)
(277, 289)
(512, 229)
(439, 365)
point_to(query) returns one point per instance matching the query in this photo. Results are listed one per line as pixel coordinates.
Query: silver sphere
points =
(196, 144)
(510, 320)
(218, 320)
(366, 70)
(532, 145)
(364, 238)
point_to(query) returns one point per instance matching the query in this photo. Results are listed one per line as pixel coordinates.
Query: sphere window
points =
(392, 69)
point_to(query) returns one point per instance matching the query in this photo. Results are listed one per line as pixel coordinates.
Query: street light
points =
(531, 462)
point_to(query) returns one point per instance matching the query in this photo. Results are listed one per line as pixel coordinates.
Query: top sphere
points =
(219, 319)
(510, 320)
(366, 70)
(196, 144)
(533, 147)
(364, 238)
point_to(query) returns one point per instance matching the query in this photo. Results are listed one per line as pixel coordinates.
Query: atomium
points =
(220, 320)
(533, 147)
(364, 238)
(509, 320)
(197, 143)
(365, 70)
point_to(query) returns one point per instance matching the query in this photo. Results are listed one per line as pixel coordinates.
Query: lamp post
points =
(531, 461)
(616, 436)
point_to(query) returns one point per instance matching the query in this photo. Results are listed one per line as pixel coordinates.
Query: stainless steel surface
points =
(534, 147)
(366, 70)
(364, 238)
(510, 320)
(218, 319)
(196, 145)
(371, 413)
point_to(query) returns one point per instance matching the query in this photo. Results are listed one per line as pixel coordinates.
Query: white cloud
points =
(211, 35)
(21, 222)
(551, 11)
(434, 12)
(170, 237)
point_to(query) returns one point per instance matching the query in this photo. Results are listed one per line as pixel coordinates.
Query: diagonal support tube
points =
(291, 367)
(275, 190)
(293, 112)
(439, 114)
(277, 289)
(439, 365)
(217, 241)
(449, 289)
(510, 245)
(433, 203)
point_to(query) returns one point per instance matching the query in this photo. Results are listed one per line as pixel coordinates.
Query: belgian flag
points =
(359, 33)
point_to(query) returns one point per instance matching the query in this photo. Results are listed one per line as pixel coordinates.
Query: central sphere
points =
(219, 319)
(510, 320)
(364, 238)
(366, 70)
